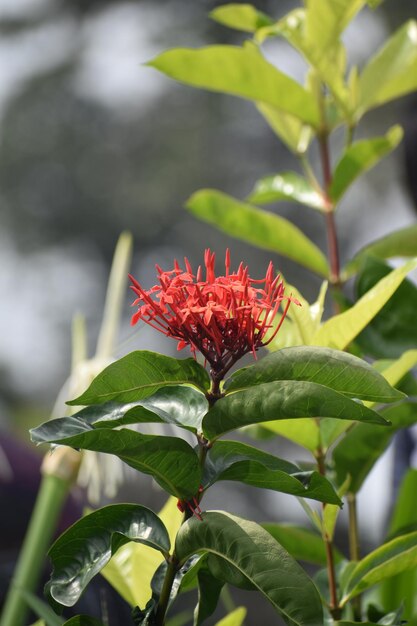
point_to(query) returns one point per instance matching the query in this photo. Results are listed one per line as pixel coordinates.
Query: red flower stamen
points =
(223, 317)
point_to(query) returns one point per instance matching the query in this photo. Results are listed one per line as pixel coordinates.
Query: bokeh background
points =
(93, 142)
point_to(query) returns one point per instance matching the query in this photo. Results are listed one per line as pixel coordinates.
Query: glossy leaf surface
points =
(243, 17)
(261, 228)
(180, 406)
(256, 555)
(356, 454)
(231, 460)
(332, 368)
(85, 548)
(170, 460)
(391, 558)
(359, 158)
(239, 71)
(282, 400)
(400, 243)
(303, 544)
(340, 330)
(140, 374)
(286, 186)
(392, 72)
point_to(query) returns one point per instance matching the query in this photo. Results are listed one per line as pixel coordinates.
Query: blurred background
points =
(93, 142)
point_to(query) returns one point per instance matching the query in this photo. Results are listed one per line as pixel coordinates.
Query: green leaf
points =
(394, 371)
(356, 454)
(338, 370)
(303, 544)
(171, 461)
(394, 329)
(304, 432)
(400, 243)
(260, 228)
(286, 186)
(392, 72)
(296, 135)
(359, 158)
(340, 330)
(327, 19)
(235, 618)
(181, 406)
(251, 550)
(41, 609)
(398, 555)
(240, 72)
(231, 460)
(286, 399)
(83, 620)
(403, 587)
(241, 17)
(140, 374)
(209, 589)
(85, 548)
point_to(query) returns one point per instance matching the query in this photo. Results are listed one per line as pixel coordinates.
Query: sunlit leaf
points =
(360, 157)
(239, 71)
(327, 19)
(340, 330)
(286, 186)
(140, 374)
(235, 618)
(243, 17)
(259, 558)
(260, 228)
(392, 72)
(293, 132)
(85, 548)
(304, 432)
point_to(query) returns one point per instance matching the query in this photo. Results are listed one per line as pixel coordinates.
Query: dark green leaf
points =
(400, 243)
(139, 375)
(360, 157)
(286, 186)
(209, 589)
(332, 368)
(358, 451)
(241, 17)
(181, 406)
(282, 400)
(83, 620)
(258, 227)
(170, 460)
(251, 550)
(231, 460)
(393, 330)
(303, 544)
(240, 72)
(85, 548)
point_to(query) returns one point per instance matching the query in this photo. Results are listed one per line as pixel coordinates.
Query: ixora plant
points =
(309, 389)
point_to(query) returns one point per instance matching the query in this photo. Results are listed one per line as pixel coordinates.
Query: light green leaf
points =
(400, 243)
(394, 371)
(296, 135)
(331, 512)
(392, 72)
(250, 550)
(258, 227)
(327, 19)
(360, 157)
(170, 460)
(304, 432)
(231, 460)
(235, 618)
(85, 548)
(303, 544)
(241, 72)
(338, 370)
(286, 399)
(139, 375)
(340, 330)
(391, 558)
(241, 17)
(286, 186)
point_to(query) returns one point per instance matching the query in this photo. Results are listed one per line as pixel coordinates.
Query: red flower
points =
(222, 317)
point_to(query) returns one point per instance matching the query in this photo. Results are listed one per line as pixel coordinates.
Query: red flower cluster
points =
(222, 317)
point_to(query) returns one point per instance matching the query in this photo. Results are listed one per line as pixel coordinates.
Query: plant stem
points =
(52, 494)
(166, 590)
(354, 546)
(331, 572)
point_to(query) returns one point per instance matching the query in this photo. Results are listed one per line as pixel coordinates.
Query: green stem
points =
(51, 496)
(166, 590)
(354, 552)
